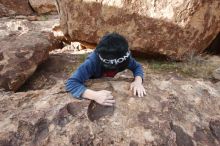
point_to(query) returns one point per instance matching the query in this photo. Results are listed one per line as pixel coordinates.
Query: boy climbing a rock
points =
(110, 57)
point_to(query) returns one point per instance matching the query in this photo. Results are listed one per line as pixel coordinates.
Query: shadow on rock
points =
(97, 111)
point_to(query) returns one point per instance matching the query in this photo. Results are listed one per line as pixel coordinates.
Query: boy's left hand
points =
(137, 87)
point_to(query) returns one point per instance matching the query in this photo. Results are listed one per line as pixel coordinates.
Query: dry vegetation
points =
(193, 66)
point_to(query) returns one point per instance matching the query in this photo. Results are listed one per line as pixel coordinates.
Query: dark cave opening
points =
(214, 47)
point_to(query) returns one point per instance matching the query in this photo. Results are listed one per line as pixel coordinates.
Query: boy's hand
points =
(137, 87)
(104, 97)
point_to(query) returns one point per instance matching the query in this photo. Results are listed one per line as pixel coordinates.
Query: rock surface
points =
(43, 6)
(175, 111)
(24, 45)
(216, 74)
(15, 7)
(20, 56)
(173, 28)
(23, 24)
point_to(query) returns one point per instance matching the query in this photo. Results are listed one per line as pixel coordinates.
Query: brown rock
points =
(15, 7)
(173, 113)
(20, 25)
(97, 111)
(182, 139)
(43, 6)
(215, 128)
(172, 28)
(204, 136)
(21, 56)
(1, 56)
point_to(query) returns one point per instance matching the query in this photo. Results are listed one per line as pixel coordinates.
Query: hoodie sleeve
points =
(75, 84)
(136, 68)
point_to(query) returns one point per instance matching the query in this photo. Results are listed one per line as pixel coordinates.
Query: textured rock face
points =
(20, 56)
(216, 74)
(43, 6)
(14, 7)
(174, 28)
(9, 27)
(23, 24)
(175, 111)
(24, 45)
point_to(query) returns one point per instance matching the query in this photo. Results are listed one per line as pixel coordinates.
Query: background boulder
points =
(24, 45)
(174, 28)
(20, 55)
(43, 6)
(15, 7)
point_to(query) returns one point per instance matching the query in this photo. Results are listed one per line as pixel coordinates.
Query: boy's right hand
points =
(104, 97)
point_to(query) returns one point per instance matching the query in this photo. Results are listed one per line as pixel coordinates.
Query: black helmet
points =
(113, 52)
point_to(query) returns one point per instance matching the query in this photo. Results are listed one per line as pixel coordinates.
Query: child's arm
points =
(75, 85)
(136, 68)
(138, 73)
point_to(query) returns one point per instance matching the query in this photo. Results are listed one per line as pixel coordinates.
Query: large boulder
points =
(15, 7)
(43, 6)
(175, 28)
(24, 45)
(175, 111)
(22, 25)
(21, 54)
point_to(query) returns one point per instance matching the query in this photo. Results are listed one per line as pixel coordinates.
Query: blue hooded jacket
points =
(91, 68)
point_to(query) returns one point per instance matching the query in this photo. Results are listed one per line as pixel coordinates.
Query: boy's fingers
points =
(110, 101)
(131, 87)
(135, 90)
(139, 93)
(142, 93)
(109, 97)
(109, 93)
(106, 91)
(108, 104)
(145, 92)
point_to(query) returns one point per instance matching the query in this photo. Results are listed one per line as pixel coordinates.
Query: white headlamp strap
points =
(115, 61)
